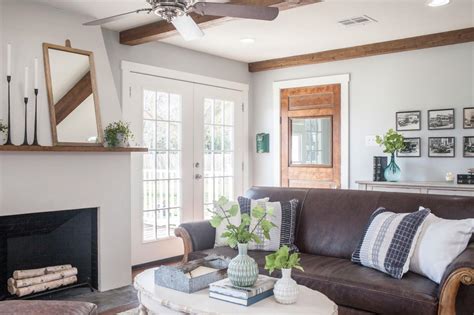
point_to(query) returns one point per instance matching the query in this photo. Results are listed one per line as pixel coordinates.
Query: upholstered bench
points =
(47, 308)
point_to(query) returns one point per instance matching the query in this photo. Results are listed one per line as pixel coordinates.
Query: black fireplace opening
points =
(37, 240)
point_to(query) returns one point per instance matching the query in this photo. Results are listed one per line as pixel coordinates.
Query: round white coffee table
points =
(159, 300)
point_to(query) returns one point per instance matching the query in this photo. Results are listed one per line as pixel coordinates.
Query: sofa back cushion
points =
(331, 222)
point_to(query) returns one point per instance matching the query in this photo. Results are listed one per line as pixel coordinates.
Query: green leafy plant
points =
(3, 126)
(241, 233)
(113, 130)
(282, 259)
(391, 142)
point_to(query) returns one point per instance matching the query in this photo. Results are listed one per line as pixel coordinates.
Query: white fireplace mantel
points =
(38, 181)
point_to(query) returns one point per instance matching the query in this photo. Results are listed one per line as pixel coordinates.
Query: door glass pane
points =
(162, 130)
(311, 141)
(218, 151)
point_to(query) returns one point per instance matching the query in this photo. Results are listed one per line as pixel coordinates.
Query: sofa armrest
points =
(460, 271)
(196, 236)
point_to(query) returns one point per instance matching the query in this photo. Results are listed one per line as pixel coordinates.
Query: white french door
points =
(194, 136)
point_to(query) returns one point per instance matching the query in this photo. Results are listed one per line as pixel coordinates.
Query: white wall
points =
(380, 86)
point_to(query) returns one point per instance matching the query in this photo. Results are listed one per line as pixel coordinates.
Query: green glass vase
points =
(242, 270)
(392, 172)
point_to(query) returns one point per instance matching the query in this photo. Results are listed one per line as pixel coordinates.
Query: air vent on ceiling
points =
(358, 20)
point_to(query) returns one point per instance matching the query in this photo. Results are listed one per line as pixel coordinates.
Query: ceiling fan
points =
(177, 13)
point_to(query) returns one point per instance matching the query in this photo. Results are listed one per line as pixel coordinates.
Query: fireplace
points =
(37, 240)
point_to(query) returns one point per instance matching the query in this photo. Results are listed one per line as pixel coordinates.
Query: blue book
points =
(239, 301)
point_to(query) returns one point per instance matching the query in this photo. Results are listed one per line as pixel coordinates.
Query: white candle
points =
(9, 59)
(26, 81)
(36, 73)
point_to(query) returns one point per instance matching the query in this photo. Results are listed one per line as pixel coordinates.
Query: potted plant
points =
(242, 270)
(3, 132)
(286, 289)
(118, 134)
(391, 142)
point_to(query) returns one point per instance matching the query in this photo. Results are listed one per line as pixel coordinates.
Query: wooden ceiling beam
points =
(162, 29)
(412, 43)
(73, 98)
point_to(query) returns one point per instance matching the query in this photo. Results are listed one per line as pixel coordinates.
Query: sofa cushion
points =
(354, 286)
(47, 308)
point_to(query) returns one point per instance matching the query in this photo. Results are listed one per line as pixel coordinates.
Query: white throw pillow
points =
(235, 220)
(439, 243)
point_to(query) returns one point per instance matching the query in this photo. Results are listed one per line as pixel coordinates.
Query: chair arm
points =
(460, 271)
(196, 236)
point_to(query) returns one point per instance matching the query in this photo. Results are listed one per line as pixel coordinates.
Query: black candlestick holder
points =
(35, 137)
(25, 140)
(9, 130)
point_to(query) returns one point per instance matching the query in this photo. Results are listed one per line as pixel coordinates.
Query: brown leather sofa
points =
(329, 226)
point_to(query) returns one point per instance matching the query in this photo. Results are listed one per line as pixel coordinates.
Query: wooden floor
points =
(135, 272)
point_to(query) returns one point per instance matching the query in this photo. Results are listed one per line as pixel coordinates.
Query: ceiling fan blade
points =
(187, 28)
(236, 10)
(114, 17)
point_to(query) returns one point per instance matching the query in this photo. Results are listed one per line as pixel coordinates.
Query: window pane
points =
(208, 164)
(218, 188)
(175, 136)
(149, 165)
(148, 195)
(175, 219)
(161, 165)
(161, 194)
(149, 224)
(228, 164)
(218, 111)
(208, 110)
(228, 139)
(311, 141)
(208, 190)
(149, 104)
(161, 223)
(175, 107)
(162, 135)
(175, 164)
(149, 134)
(175, 193)
(217, 138)
(207, 213)
(162, 106)
(218, 164)
(229, 113)
(229, 187)
(208, 138)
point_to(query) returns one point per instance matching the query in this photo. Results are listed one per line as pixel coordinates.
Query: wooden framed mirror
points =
(72, 95)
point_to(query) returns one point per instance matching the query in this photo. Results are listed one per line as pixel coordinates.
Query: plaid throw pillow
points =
(389, 241)
(284, 217)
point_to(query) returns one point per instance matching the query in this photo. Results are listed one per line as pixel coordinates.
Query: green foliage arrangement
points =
(3, 126)
(117, 128)
(242, 233)
(282, 259)
(391, 142)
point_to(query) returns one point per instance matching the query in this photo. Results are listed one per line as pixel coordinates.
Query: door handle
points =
(198, 176)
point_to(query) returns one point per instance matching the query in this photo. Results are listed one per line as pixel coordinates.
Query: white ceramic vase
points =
(286, 289)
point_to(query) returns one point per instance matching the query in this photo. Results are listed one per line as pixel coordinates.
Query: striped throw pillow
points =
(389, 241)
(284, 217)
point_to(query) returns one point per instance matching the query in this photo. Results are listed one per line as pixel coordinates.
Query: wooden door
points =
(311, 136)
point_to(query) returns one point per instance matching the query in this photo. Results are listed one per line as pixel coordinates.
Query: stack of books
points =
(380, 163)
(466, 179)
(225, 291)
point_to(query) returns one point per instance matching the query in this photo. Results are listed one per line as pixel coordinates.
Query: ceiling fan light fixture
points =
(438, 3)
(247, 40)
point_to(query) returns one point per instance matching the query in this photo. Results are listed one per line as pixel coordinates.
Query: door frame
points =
(129, 67)
(343, 80)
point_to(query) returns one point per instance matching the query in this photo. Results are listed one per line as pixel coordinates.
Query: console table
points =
(435, 188)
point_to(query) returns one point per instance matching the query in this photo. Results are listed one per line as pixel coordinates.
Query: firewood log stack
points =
(26, 282)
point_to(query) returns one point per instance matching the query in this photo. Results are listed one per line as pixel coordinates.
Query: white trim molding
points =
(343, 80)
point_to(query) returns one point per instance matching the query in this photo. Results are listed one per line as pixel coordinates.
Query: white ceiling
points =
(302, 30)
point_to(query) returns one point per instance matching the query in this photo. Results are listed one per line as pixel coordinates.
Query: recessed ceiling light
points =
(247, 40)
(437, 3)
